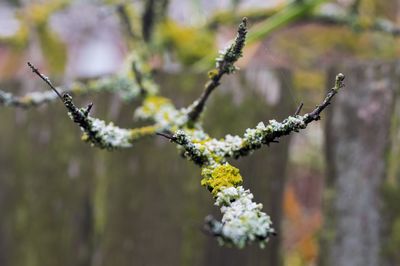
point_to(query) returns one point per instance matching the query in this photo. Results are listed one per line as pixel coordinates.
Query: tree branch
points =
(124, 86)
(45, 79)
(243, 221)
(225, 65)
(96, 131)
(255, 138)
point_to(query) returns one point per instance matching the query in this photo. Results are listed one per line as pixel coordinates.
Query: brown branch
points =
(298, 110)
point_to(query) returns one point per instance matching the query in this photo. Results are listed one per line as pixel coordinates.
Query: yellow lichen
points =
(137, 133)
(156, 101)
(153, 104)
(85, 137)
(222, 176)
(212, 73)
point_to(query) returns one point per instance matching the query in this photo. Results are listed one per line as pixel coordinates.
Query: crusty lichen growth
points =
(228, 56)
(96, 131)
(220, 177)
(242, 222)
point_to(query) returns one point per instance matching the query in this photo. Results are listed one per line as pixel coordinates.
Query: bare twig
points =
(45, 79)
(298, 110)
(314, 115)
(88, 108)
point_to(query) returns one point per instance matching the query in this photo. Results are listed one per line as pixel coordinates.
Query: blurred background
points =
(332, 190)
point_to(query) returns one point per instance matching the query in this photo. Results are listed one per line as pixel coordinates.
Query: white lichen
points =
(242, 220)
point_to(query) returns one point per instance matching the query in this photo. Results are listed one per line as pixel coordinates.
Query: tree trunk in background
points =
(357, 134)
(66, 203)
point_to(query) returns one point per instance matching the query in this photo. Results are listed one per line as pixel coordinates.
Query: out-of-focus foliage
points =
(33, 21)
(189, 43)
(303, 248)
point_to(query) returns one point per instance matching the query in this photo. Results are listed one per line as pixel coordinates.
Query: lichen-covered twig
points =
(96, 131)
(28, 100)
(224, 65)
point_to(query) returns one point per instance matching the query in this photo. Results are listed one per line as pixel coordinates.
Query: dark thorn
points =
(170, 137)
(298, 109)
(88, 108)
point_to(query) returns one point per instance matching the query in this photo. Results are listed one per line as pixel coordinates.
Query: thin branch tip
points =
(45, 79)
(225, 65)
(88, 109)
(298, 110)
(339, 81)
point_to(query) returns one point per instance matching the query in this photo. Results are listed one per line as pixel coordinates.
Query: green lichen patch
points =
(222, 176)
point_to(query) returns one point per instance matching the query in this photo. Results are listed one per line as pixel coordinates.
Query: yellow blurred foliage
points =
(300, 242)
